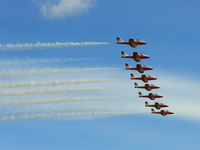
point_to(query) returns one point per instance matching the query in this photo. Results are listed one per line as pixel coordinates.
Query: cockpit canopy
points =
(137, 40)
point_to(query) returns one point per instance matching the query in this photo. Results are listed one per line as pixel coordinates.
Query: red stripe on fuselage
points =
(147, 68)
(154, 87)
(127, 56)
(131, 68)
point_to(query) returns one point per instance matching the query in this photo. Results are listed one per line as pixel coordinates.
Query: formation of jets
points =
(145, 78)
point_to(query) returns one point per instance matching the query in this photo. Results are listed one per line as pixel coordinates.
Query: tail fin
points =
(119, 40)
(140, 93)
(123, 54)
(146, 104)
(152, 110)
(127, 65)
(132, 75)
(136, 85)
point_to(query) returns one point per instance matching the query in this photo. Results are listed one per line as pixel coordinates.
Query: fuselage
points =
(148, 87)
(157, 105)
(131, 42)
(142, 67)
(144, 78)
(163, 113)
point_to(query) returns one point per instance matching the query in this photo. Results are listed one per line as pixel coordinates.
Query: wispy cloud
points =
(56, 9)
(180, 93)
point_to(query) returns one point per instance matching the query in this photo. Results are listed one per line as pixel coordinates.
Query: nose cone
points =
(157, 87)
(143, 42)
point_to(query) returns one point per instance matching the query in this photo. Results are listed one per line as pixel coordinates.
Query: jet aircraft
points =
(137, 57)
(147, 86)
(143, 77)
(162, 112)
(150, 96)
(138, 67)
(131, 42)
(156, 105)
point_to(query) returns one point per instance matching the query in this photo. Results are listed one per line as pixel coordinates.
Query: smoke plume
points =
(53, 100)
(51, 82)
(58, 114)
(38, 45)
(48, 71)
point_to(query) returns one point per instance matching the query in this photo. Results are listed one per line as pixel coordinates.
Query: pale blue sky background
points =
(171, 29)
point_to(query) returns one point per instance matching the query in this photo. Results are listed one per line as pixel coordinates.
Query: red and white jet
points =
(131, 42)
(162, 112)
(150, 96)
(147, 86)
(156, 105)
(137, 57)
(143, 77)
(138, 67)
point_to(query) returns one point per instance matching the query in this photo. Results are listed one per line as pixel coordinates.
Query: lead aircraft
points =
(146, 86)
(138, 67)
(143, 77)
(156, 105)
(131, 42)
(162, 112)
(150, 96)
(137, 57)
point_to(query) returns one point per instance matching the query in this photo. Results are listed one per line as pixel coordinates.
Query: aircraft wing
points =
(132, 43)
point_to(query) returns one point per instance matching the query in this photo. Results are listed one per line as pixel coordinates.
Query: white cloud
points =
(180, 93)
(56, 9)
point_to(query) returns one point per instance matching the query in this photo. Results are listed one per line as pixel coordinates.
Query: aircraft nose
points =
(144, 42)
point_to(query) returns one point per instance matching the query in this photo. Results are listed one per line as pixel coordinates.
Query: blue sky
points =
(171, 30)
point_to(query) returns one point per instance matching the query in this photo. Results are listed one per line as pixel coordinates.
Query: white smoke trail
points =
(38, 45)
(47, 110)
(51, 82)
(40, 91)
(58, 114)
(53, 100)
(27, 61)
(48, 71)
